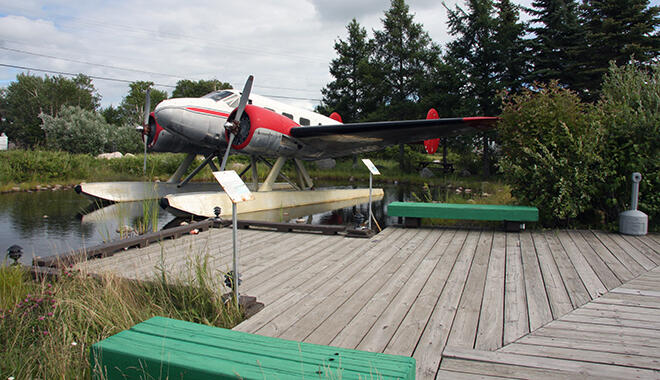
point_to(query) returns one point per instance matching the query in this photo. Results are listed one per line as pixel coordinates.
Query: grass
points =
(25, 169)
(48, 326)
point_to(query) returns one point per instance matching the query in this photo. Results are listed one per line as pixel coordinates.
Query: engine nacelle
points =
(264, 132)
(160, 140)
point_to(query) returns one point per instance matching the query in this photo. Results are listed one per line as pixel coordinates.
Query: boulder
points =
(109, 156)
(426, 173)
(328, 163)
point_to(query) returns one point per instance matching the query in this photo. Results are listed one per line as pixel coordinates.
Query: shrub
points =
(76, 130)
(551, 152)
(630, 105)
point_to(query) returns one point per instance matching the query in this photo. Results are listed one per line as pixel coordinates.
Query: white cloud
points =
(286, 44)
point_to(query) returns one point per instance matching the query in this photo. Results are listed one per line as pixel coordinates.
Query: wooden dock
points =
(464, 303)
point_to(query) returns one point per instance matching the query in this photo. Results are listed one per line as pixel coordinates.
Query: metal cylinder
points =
(636, 179)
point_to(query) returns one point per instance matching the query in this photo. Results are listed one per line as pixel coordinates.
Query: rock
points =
(328, 163)
(426, 173)
(237, 167)
(465, 173)
(129, 155)
(109, 156)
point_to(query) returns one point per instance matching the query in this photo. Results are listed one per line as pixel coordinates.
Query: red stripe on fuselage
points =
(210, 112)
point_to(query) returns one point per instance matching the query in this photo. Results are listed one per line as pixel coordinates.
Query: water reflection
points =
(50, 222)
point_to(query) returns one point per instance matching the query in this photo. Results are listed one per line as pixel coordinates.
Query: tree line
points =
(400, 72)
(31, 106)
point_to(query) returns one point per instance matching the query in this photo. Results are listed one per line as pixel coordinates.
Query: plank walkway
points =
(464, 303)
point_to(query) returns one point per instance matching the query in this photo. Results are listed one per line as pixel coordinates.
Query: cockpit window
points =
(218, 95)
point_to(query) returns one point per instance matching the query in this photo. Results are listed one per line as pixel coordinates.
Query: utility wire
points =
(130, 81)
(73, 75)
(90, 63)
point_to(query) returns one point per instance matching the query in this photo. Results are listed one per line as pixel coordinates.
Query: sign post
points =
(235, 188)
(373, 170)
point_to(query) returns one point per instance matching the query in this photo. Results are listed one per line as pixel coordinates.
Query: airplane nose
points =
(169, 117)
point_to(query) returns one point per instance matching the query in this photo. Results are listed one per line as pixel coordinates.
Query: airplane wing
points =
(329, 141)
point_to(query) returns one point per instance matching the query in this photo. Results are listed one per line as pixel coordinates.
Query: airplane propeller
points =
(145, 128)
(232, 125)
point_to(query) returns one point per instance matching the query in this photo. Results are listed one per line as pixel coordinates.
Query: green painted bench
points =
(513, 216)
(163, 348)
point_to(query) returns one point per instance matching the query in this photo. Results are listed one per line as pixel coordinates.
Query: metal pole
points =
(235, 238)
(371, 176)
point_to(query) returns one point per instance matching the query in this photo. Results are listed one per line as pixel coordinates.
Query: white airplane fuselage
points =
(200, 121)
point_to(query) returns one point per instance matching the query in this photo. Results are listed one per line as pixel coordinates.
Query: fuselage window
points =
(288, 115)
(218, 95)
(304, 121)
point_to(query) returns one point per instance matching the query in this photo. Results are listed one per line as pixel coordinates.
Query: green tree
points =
(559, 44)
(77, 130)
(512, 53)
(30, 95)
(186, 88)
(132, 106)
(618, 30)
(404, 55)
(630, 104)
(476, 52)
(348, 93)
(552, 144)
(112, 115)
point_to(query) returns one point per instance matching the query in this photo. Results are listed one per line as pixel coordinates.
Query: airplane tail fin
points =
(335, 116)
(431, 146)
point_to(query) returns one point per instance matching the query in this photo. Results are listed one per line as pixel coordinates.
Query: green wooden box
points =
(463, 211)
(164, 348)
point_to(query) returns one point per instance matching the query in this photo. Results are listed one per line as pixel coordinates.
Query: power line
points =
(89, 63)
(73, 75)
(130, 81)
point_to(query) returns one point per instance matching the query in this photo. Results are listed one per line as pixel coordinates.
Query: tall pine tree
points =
(348, 93)
(618, 30)
(558, 44)
(404, 55)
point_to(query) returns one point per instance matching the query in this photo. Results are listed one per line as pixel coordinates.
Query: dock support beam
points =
(272, 175)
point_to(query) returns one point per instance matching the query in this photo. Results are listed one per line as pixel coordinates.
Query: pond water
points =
(45, 223)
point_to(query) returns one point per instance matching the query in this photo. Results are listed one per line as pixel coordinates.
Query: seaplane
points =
(227, 121)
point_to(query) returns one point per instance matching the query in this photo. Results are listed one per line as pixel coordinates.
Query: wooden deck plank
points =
(491, 320)
(538, 306)
(575, 288)
(399, 295)
(357, 258)
(581, 354)
(620, 269)
(560, 302)
(381, 254)
(589, 278)
(619, 246)
(416, 321)
(466, 321)
(432, 341)
(382, 286)
(302, 273)
(602, 270)
(516, 322)
(627, 348)
(647, 240)
(536, 366)
(601, 337)
(409, 311)
(636, 249)
(447, 374)
(615, 313)
(645, 246)
(612, 321)
(607, 329)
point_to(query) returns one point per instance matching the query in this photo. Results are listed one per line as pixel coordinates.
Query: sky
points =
(286, 44)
